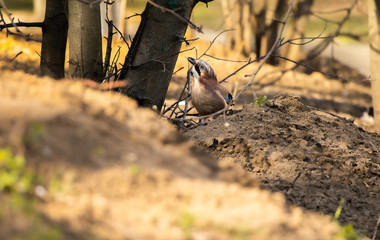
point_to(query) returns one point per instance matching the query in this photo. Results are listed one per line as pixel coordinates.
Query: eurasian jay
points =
(207, 95)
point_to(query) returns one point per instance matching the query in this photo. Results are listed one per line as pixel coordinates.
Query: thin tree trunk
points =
(258, 12)
(272, 31)
(150, 62)
(374, 39)
(85, 41)
(54, 39)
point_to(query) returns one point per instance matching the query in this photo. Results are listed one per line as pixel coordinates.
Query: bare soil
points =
(126, 174)
(273, 172)
(313, 158)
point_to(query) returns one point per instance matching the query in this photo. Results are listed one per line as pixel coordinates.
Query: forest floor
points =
(105, 169)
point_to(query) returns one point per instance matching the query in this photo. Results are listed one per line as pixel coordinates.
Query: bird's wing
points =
(223, 93)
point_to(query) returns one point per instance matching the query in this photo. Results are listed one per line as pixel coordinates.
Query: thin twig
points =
(178, 70)
(242, 67)
(226, 60)
(323, 45)
(295, 179)
(134, 15)
(18, 54)
(212, 42)
(107, 57)
(21, 24)
(15, 25)
(201, 117)
(160, 58)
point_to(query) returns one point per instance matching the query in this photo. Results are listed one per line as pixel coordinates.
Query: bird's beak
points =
(191, 60)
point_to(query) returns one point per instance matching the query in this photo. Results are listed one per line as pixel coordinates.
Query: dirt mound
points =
(124, 174)
(315, 159)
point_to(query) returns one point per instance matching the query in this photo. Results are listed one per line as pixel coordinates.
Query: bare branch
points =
(242, 67)
(212, 42)
(134, 15)
(323, 45)
(226, 60)
(21, 24)
(16, 25)
(18, 54)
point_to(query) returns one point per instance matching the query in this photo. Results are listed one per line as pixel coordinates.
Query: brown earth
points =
(313, 158)
(126, 174)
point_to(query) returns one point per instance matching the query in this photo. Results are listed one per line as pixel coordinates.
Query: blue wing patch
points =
(228, 98)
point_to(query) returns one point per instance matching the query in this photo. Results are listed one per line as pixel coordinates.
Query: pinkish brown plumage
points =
(207, 95)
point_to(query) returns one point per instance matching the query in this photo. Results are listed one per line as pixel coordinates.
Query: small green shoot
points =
(14, 176)
(17, 188)
(346, 232)
(186, 223)
(262, 100)
(339, 209)
(134, 169)
(98, 151)
(33, 133)
(55, 185)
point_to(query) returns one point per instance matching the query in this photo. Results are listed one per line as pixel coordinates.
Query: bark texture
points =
(54, 39)
(85, 41)
(374, 38)
(150, 61)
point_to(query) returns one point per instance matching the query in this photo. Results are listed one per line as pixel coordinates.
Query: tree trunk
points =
(150, 62)
(258, 13)
(39, 9)
(54, 39)
(272, 31)
(85, 41)
(374, 39)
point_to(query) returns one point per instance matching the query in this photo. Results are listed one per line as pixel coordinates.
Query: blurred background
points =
(252, 21)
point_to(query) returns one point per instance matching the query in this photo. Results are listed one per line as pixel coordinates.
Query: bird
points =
(207, 95)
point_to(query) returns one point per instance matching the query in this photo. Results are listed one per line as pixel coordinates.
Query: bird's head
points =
(201, 69)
